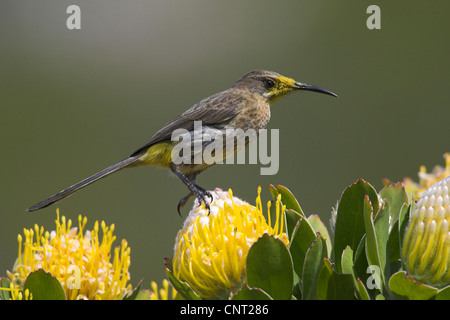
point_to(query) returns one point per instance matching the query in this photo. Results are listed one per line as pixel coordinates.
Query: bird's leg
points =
(196, 190)
(183, 201)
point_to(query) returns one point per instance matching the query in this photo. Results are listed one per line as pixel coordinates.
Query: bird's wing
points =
(212, 111)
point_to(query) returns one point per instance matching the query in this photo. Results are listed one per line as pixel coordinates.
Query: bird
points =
(245, 105)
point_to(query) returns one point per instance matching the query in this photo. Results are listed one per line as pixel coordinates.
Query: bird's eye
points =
(268, 83)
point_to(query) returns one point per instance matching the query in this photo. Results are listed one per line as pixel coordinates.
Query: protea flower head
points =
(211, 248)
(426, 246)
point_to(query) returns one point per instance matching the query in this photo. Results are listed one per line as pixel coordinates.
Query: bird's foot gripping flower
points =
(211, 249)
(426, 247)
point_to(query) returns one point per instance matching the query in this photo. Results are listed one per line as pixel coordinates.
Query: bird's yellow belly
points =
(159, 155)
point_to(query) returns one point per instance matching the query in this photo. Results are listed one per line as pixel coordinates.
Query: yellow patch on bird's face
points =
(286, 81)
(283, 86)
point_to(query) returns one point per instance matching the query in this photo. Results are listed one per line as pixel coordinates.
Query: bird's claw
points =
(183, 202)
(200, 194)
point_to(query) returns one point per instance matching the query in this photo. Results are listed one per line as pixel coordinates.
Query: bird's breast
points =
(255, 116)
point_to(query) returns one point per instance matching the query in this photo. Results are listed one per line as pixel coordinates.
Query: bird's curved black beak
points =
(304, 86)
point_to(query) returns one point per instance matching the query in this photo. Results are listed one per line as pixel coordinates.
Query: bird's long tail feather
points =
(84, 183)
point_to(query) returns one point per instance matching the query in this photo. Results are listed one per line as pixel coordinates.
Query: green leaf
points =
(347, 268)
(302, 238)
(4, 283)
(334, 286)
(293, 210)
(381, 224)
(273, 191)
(182, 287)
(443, 294)
(43, 286)
(287, 198)
(396, 195)
(247, 293)
(395, 241)
(370, 275)
(133, 294)
(320, 227)
(362, 290)
(406, 287)
(347, 260)
(297, 291)
(269, 267)
(350, 226)
(292, 218)
(374, 257)
(313, 263)
(371, 243)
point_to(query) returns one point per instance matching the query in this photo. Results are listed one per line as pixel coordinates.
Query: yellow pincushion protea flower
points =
(162, 293)
(81, 262)
(211, 248)
(426, 247)
(427, 179)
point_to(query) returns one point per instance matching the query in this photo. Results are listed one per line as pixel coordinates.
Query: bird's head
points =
(273, 86)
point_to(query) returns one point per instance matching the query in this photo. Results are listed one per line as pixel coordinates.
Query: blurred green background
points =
(75, 101)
